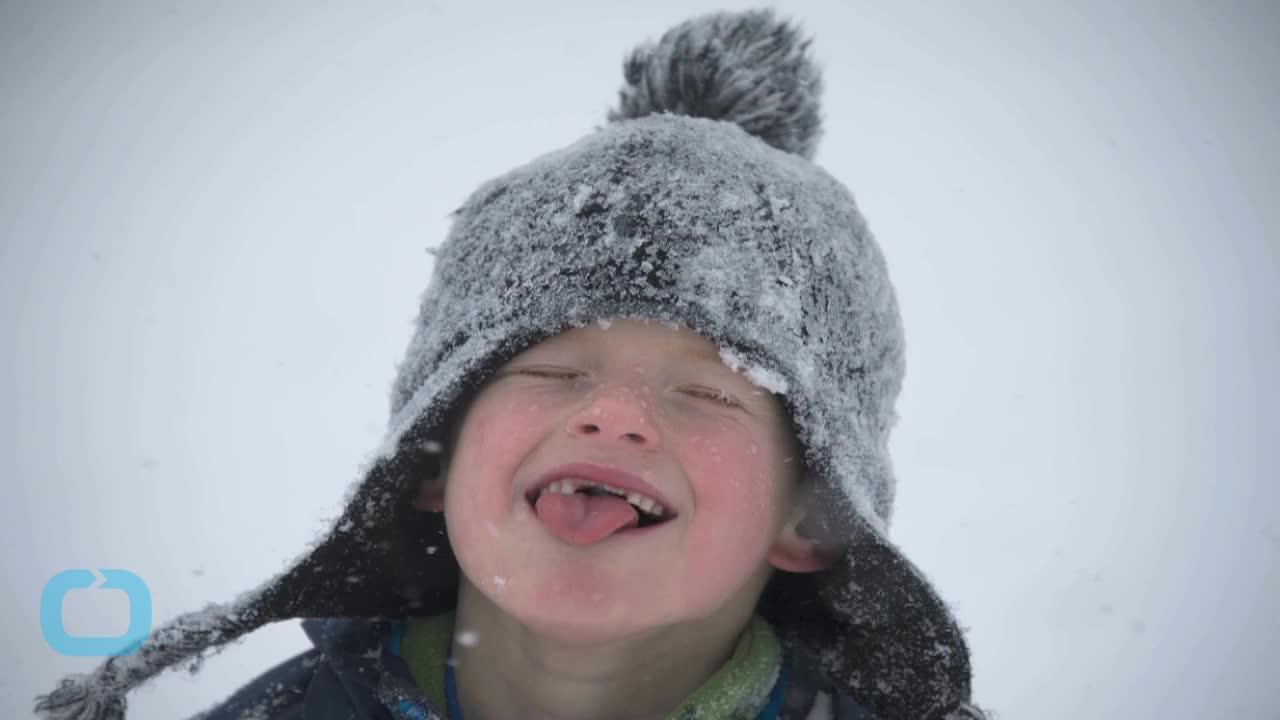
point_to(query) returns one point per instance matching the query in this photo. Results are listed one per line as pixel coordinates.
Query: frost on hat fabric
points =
(100, 695)
(719, 223)
(745, 68)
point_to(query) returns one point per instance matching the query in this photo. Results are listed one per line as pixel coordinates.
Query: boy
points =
(636, 465)
(615, 500)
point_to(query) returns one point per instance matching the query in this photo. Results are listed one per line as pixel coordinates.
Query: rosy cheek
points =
(730, 479)
(491, 447)
(501, 432)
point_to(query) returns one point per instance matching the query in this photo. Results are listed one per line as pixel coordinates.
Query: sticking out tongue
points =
(584, 519)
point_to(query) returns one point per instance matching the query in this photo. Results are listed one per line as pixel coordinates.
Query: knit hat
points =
(698, 204)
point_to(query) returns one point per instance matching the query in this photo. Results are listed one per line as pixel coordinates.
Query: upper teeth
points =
(568, 486)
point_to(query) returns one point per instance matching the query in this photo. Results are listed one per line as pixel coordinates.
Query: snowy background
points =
(214, 219)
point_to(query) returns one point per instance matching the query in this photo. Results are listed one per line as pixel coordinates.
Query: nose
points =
(619, 415)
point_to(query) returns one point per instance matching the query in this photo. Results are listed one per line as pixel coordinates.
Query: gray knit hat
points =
(699, 205)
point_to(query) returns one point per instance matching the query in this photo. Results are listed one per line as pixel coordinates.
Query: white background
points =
(214, 219)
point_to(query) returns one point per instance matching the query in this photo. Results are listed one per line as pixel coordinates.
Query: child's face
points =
(637, 396)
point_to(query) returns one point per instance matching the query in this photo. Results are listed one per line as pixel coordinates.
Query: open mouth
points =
(582, 512)
(650, 511)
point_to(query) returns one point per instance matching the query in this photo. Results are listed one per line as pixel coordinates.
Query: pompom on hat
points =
(698, 205)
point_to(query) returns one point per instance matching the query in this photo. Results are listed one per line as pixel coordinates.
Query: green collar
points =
(739, 689)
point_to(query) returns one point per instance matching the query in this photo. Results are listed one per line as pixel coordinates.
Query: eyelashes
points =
(555, 374)
(715, 396)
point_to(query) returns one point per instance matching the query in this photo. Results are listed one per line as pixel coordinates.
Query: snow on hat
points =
(697, 204)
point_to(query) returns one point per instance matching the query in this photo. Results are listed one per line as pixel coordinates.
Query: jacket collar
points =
(366, 679)
(366, 675)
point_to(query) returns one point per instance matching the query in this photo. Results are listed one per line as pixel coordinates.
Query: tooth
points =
(646, 504)
(570, 485)
(565, 486)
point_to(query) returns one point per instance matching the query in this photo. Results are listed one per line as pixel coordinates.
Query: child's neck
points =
(516, 673)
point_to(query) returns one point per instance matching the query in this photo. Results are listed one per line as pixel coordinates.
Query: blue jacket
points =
(355, 672)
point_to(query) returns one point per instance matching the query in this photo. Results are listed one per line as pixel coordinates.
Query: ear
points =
(430, 495)
(796, 553)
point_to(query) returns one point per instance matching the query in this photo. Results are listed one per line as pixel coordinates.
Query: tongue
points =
(584, 519)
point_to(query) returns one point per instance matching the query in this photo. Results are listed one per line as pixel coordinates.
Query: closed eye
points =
(549, 373)
(714, 395)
